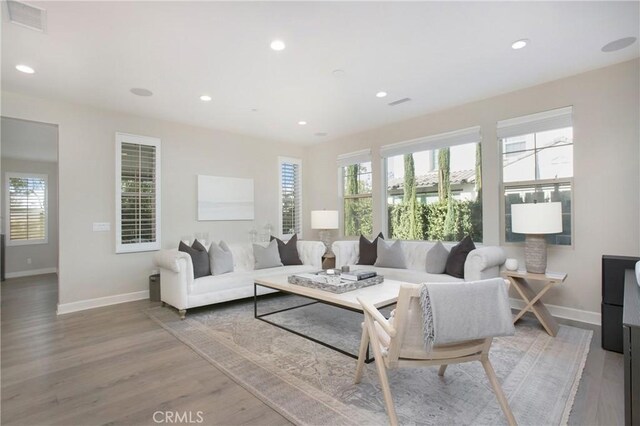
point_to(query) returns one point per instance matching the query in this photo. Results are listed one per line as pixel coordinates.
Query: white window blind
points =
(356, 157)
(442, 140)
(137, 193)
(533, 123)
(27, 209)
(290, 196)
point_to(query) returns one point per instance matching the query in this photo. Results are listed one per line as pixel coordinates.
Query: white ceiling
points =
(28, 140)
(439, 54)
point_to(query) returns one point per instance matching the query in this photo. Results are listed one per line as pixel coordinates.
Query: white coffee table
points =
(380, 295)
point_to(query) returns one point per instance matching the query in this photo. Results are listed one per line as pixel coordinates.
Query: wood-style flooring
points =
(114, 365)
(109, 365)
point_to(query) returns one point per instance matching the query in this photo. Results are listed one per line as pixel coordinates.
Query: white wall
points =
(89, 267)
(43, 256)
(606, 168)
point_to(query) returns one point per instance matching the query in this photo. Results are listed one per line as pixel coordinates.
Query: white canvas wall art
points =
(225, 198)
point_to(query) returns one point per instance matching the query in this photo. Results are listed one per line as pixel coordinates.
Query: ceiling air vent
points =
(399, 101)
(26, 15)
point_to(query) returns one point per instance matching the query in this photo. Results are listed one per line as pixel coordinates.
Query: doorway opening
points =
(29, 202)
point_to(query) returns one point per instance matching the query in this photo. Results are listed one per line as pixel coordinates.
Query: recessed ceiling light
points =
(278, 45)
(381, 94)
(618, 44)
(338, 73)
(519, 44)
(205, 98)
(302, 123)
(25, 69)
(141, 92)
(254, 109)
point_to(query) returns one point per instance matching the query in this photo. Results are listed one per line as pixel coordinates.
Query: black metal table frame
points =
(261, 317)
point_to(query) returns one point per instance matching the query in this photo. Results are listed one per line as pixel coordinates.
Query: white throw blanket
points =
(458, 312)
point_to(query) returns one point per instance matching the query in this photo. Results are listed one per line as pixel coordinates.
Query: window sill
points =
(19, 243)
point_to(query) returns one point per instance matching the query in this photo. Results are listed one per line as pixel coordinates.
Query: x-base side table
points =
(520, 280)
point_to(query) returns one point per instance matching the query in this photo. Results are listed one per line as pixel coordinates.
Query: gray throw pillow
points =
(221, 258)
(390, 255)
(437, 258)
(266, 257)
(199, 258)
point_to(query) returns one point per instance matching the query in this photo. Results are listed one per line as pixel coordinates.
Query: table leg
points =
(535, 305)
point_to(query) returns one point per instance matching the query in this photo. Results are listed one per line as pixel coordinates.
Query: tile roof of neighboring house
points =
(458, 177)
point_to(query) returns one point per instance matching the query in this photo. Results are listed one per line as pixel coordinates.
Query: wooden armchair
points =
(400, 343)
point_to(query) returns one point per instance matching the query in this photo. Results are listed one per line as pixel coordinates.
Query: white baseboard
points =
(82, 305)
(563, 312)
(52, 270)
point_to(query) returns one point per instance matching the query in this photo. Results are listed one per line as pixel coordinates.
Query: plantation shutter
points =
(138, 198)
(291, 196)
(27, 205)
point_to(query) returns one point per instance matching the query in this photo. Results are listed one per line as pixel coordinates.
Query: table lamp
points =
(325, 221)
(536, 220)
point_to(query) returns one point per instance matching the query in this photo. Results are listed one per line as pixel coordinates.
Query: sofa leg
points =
(183, 313)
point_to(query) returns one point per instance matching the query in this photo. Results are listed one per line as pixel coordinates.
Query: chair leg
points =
(382, 374)
(362, 354)
(442, 369)
(502, 399)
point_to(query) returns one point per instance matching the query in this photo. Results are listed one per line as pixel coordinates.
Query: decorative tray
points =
(332, 283)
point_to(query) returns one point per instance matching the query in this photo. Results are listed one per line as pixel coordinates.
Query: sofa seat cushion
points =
(409, 275)
(213, 283)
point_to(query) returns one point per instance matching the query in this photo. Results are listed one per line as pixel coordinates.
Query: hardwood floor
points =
(113, 365)
(108, 365)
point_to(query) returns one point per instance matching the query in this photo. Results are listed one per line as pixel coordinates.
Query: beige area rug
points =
(313, 385)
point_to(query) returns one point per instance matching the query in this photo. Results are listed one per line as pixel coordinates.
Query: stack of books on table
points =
(358, 275)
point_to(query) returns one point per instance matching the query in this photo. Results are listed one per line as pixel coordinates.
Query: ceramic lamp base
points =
(535, 253)
(325, 237)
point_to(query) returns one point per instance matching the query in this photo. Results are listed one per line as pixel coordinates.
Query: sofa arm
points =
(176, 277)
(347, 252)
(483, 263)
(311, 252)
(170, 259)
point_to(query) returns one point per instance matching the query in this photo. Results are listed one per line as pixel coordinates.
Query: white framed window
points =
(355, 191)
(290, 196)
(537, 166)
(433, 187)
(26, 208)
(137, 193)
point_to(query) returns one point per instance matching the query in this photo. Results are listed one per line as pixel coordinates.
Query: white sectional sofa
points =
(482, 263)
(179, 289)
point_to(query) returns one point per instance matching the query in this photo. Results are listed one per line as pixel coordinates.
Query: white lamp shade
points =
(536, 218)
(324, 219)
